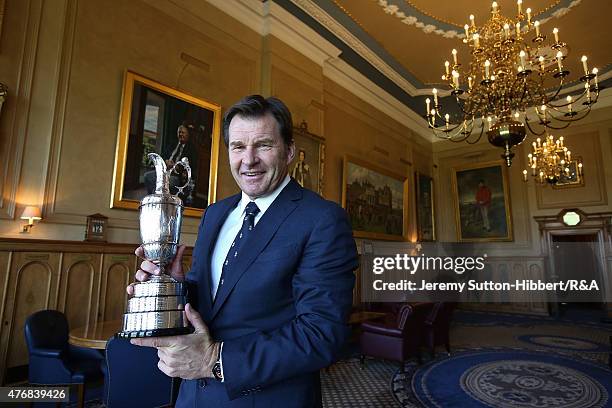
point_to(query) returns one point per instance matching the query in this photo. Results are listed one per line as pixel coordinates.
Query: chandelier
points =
(551, 162)
(512, 83)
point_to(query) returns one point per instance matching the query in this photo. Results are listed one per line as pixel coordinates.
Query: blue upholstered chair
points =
(131, 369)
(52, 360)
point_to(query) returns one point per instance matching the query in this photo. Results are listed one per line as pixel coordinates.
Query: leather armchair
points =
(437, 327)
(52, 361)
(399, 337)
(129, 370)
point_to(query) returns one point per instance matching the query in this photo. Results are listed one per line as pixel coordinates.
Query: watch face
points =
(216, 371)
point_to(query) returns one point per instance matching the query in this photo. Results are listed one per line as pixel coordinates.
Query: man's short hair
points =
(256, 106)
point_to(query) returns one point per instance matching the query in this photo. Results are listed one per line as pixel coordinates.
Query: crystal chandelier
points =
(512, 83)
(551, 162)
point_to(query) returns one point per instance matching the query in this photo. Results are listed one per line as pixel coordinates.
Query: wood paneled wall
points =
(84, 280)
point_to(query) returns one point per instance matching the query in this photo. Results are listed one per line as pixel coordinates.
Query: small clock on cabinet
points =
(96, 228)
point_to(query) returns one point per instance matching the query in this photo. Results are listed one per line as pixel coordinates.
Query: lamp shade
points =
(31, 213)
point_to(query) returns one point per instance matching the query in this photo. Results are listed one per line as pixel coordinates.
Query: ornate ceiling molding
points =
(341, 32)
(411, 15)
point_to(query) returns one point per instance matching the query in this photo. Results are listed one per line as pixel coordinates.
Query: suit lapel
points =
(210, 237)
(265, 229)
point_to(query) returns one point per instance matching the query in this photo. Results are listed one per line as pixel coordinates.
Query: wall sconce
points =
(30, 213)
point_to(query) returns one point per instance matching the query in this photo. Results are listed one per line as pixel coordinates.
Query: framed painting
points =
(426, 229)
(308, 166)
(156, 118)
(482, 203)
(375, 199)
(573, 178)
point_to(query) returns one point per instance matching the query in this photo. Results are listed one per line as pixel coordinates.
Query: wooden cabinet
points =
(84, 280)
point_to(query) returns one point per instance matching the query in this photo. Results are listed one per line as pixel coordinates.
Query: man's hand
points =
(189, 356)
(148, 268)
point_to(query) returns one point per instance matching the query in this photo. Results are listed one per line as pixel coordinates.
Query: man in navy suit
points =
(272, 276)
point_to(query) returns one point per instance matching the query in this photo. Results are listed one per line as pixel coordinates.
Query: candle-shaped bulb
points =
(537, 28)
(428, 103)
(522, 56)
(456, 79)
(487, 64)
(569, 103)
(528, 16)
(539, 142)
(446, 119)
(472, 20)
(476, 38)
(518, 29)
(525, 175)
(519, 4)
(454, 52)
(559, 59)
(435, 95)
(446, 67)
(584, 64)
(467, 31)
(595, 71)
(494, 6)
(433, 117)
(556, 33)
(470, 82)
(507, 30)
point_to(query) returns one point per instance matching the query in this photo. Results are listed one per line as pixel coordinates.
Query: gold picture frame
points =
(308, 146)
(426, 222)
(375, 199)
(482, 211)
(155, 118)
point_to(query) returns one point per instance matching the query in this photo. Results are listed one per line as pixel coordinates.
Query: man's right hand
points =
(148, 268)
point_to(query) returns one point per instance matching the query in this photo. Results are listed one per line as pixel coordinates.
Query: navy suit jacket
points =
(282, 310)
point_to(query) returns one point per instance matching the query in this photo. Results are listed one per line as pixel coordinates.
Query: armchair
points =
(437, 327)
(131, 368)
(398, 337)
(52, 360)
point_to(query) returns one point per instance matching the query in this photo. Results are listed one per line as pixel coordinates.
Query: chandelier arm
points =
(533, 131)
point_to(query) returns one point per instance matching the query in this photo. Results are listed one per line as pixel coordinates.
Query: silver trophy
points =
(156, 309)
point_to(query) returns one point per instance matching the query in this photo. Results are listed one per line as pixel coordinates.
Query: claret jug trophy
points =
(156, 308)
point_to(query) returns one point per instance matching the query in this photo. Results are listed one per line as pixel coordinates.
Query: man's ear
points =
(290, 151)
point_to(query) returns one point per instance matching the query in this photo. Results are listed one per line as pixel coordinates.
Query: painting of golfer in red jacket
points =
(482, 203)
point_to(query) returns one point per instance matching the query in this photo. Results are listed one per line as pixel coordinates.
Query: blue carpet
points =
(564, 343)
(507, 378)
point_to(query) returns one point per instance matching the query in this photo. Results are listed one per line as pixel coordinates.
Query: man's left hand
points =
(189, 356)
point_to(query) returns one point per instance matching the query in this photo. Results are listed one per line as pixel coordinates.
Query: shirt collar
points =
(263, 203)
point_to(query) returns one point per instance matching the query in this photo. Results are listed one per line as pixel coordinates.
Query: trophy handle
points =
(184, 162)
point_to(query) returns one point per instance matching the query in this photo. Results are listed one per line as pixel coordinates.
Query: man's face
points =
(257, 154)
(183, 134)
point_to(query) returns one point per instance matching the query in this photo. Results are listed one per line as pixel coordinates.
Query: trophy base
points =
(156, 309)
(173, 331)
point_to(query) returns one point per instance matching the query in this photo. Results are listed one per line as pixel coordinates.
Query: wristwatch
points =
(216, 370)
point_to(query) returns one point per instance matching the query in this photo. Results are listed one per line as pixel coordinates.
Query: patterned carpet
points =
(577, 350)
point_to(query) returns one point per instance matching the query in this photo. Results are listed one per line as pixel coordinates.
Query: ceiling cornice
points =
(268, 18)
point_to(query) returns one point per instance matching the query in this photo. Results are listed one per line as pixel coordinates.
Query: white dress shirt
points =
(230, 228)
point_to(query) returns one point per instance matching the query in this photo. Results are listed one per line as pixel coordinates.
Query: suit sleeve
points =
(322, 291)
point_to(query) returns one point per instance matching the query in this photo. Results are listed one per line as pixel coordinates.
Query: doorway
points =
(576, 256)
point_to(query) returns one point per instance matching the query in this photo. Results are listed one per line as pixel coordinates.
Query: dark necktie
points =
(248, 223)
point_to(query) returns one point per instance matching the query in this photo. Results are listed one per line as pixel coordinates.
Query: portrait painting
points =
(177, 126)
(425, 208)
(308, 165)
(375, 200)
(482, 206)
